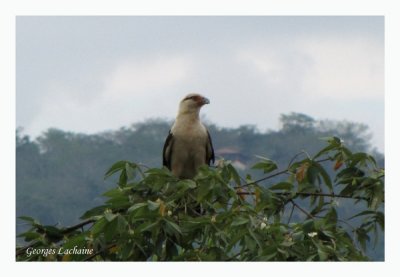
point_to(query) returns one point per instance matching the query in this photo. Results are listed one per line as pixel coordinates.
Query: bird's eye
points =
(189, 97)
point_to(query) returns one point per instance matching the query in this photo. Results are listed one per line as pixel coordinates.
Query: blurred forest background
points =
(59, 175)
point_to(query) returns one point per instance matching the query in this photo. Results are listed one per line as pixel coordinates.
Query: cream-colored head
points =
(192, 103)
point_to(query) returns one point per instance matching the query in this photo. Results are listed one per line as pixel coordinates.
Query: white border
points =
(206, 7)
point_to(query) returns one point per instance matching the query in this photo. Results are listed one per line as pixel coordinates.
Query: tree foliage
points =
(60, 168)
(219, 216)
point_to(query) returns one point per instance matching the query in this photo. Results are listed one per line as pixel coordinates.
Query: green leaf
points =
(380, 219)
(110, 230)
(377, 199)
(79, 241)
(187, 183)
(119, 202)
(109, 216)
(331, 217)
(94, 212)
(361, 158)
(324, 151)
(282, 186)
(254, 236)
(329, 234)
(137, 206)
(361, 214)
(173, 227)
(346, 152)
(334, 143)
(348, 174)
(114, 193)
(269, 253)
(322, 253)
(129, 169)
(308, 226)
(250, 243)
(123, 178)
(153, 205)
(362, 237)
(239, 221)
(234, 174)
(320, 207)
(122, 224)
(203, 191)
(27, 218)
(372, 160)
(52, 233)
(159, 172)
(31, 220)
(332, 140)
(29, 236)
(118, 166)
(125, 252)
(324, 175)
(348, 190)
(147, 226)
(97, 228)
(266, 165)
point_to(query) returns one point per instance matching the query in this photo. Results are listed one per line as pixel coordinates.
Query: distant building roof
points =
(227, 150)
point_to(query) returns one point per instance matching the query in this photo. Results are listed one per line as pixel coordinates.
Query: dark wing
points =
(167, 150)
(209, 150)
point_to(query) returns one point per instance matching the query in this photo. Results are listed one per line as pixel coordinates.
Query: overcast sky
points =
(91, 74)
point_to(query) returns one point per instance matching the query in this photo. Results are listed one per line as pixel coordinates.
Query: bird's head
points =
(192, 103)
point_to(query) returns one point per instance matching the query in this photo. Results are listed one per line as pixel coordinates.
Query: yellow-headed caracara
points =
(188, 145)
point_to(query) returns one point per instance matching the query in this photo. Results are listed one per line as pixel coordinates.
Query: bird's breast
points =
(189, 130)
(190, 138)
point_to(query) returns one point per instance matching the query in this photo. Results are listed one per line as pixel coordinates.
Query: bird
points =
(188, 144)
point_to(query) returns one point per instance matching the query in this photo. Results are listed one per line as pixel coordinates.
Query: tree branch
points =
(291, 213)
(277, 173)
(310, 194)
(301, 209)
(77, 226)
(263, 179)
(331, 195)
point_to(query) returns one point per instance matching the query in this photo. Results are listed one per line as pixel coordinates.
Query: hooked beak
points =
(206, 100)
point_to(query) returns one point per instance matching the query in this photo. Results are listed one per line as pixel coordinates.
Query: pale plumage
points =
(188, 145)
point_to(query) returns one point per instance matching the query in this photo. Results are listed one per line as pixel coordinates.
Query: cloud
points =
(147, 75)
(333, 67)
(326, 77)
(348, 68)
(131, 91)
(273, 63)
(252, 69)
